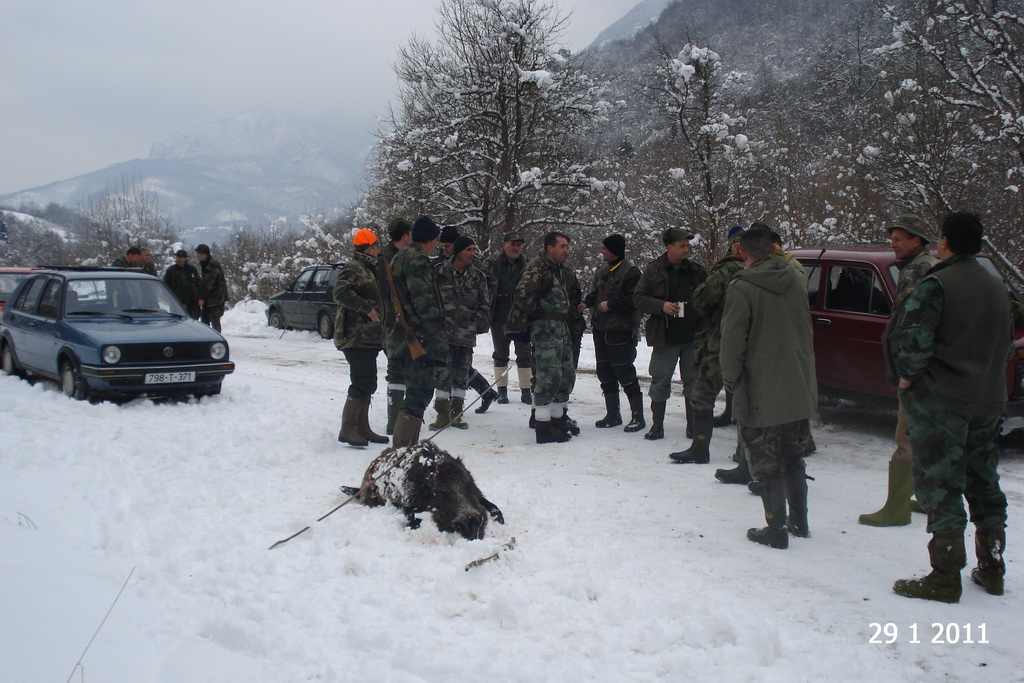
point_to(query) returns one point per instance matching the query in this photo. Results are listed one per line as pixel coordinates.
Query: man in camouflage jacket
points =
(909, 238)
(541, 298)
(506, 268)
(400, 236)
(953, 341)
(465, 293)
(358, 334)
(415, 282)
(213, 287)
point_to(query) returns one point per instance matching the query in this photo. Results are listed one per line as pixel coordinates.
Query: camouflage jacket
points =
(213, 287)
(708, 303)
(357, 293)
(416, 285)
(467, 301)
(540, 302)
(505, 278)
(184, 282)
(955, 337)
(577, 322)
(615, 284)
(912, 271)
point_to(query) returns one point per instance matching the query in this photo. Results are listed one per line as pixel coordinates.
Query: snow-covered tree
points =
(121, 218)
(486, 133)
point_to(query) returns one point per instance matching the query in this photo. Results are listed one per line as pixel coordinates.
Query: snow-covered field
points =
(625, 568)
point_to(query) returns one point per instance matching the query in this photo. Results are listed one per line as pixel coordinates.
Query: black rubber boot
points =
(487, 395)
(549, 432)
(688, 407)
(737, 475)
(612, 418)
(502, 395)
(948, 556)
(773, 496)
(989, 543)
(566, 424)
(527, 397)
(657, 430)
(699, 452)
(796, 498)
(725, 419)
(636, 411)
(395, 398)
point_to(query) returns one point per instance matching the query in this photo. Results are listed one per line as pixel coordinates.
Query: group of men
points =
(202, 292)
(744, 326)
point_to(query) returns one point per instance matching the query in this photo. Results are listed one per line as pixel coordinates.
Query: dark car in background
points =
(109, 333)
(851, 290)
(307, 303)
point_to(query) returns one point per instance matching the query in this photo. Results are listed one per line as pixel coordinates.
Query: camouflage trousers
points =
(773, 451)
(419, 385)
(954, 457)
(452, 378)
(554, 375)
(706, 389)
(662, 367)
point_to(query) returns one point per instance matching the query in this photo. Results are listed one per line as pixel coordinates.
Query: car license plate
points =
(169, 377)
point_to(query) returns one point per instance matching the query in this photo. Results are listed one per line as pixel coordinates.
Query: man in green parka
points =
(183, 279)
(767, 359)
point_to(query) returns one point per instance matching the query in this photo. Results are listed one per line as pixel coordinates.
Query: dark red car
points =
(851, 290)
(9, 279)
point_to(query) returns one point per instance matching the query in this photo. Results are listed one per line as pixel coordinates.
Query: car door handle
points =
(824, 322)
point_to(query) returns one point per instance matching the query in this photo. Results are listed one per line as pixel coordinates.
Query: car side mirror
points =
(289, 287)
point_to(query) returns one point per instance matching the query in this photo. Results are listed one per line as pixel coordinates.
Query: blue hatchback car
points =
(114, 334)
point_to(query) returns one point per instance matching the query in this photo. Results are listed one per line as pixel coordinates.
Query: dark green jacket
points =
(184, 282)
(213, 287)
(653, 291)
(615, 283)
(416, 284)
(357, 293)
(506, 276)
(955, 337)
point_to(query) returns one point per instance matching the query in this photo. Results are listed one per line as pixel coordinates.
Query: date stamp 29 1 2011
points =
(936, 633)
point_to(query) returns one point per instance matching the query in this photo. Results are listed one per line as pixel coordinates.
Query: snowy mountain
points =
(250, 168)
(634, 21)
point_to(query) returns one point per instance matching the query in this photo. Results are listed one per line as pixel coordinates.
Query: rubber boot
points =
(657, 430)
(737, 475)
(549, 432)
(566, 423)
(407, 431)
(725, 419)
(796, 499)
(612, 418)
(502, 395)
(350, 424)
(699, 452)
(989, 543)
(525, 382)
(773, 496)
(364, 426)
(896, 511)
(395, 398)
(443, 408)
(455, 413)
(533, 419)
(636, 413)
(688, 407)
(948, 556)
(487, 395)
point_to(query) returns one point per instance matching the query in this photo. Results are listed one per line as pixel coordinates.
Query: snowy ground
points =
(626, 568)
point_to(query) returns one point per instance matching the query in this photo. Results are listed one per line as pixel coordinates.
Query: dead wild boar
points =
(422, 477)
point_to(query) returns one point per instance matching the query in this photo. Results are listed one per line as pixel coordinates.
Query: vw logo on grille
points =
(168, 352)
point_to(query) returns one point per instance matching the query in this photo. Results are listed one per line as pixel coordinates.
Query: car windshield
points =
(120, 297)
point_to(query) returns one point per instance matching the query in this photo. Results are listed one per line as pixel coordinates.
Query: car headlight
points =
(218, 350)
(111, 354)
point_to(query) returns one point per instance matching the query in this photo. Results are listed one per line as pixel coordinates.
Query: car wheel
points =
(274, 319)
(10, 365)
(326, 326)
(71, 382)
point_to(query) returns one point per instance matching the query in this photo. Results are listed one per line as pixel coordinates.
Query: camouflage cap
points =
(675, 234)
(912, 224)
(512, 237)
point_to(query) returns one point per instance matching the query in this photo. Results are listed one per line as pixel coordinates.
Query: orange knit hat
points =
(364, 237)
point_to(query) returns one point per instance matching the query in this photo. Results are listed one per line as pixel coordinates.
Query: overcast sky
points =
(88, 84)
